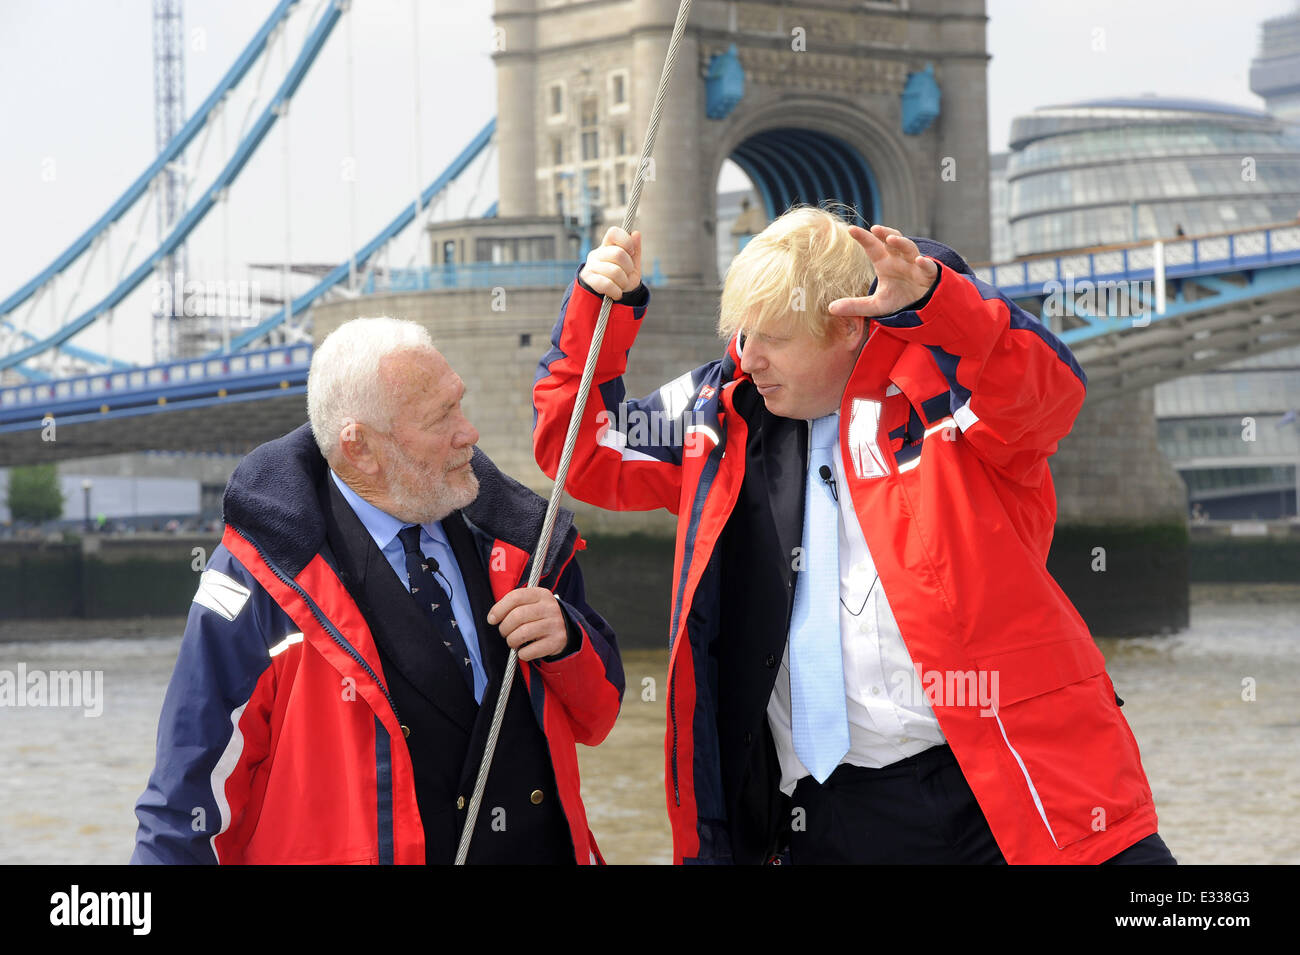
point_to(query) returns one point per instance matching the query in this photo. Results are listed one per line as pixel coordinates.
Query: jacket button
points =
(460, 802)
(535, 797)
(770, 660)
(406, 731)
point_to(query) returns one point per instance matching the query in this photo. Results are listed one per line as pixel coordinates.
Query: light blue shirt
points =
(890, 717)
(383, 528)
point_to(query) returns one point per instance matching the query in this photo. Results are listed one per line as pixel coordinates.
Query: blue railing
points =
(1276, 246)
(548, 274)
(158, 384)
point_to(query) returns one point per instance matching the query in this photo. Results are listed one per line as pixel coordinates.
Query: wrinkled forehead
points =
(418, 375)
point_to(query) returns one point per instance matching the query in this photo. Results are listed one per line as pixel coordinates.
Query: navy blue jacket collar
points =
(273, 499)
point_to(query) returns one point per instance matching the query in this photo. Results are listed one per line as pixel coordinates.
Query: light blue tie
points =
(819, 715)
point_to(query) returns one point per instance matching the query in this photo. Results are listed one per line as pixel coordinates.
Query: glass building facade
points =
(1131, 170)
(1114, 171)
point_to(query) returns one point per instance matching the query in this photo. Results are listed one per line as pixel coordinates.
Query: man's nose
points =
(752, 358)
(469, 433)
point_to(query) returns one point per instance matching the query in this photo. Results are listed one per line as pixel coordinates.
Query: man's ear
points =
(851, 330)
(357, 446)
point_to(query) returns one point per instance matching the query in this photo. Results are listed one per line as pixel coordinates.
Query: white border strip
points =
(1029, 782)
(286, 643)
(222, 772)
(618, 441)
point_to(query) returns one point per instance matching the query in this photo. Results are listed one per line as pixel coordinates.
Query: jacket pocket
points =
(1056, 715)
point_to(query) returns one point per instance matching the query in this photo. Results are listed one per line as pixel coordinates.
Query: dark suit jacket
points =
(759, 597)
(520, 819)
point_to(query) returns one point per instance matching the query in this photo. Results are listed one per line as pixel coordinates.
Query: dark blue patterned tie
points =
(433, 600)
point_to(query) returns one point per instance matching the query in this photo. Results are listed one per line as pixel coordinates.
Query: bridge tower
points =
(169, 116)
(880, 104)
(1275, 72)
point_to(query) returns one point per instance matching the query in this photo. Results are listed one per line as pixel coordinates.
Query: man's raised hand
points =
(614, 268)
(903, 274)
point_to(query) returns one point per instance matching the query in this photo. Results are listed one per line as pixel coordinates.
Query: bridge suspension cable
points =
(230, 172)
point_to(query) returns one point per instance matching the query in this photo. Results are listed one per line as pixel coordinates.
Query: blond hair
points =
(797, 266)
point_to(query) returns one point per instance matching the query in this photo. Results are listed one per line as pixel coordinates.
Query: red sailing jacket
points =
(278, 741)
(946, 422)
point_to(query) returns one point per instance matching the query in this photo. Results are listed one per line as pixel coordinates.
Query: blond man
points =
(870, 661)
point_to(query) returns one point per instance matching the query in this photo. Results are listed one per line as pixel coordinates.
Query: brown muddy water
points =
(1225, 770)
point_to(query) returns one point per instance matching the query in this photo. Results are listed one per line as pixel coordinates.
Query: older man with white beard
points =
(327, 701)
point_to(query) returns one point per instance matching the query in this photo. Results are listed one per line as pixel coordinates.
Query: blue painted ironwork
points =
(1267, 259)
(273, 390)
(182, 139)
(789, 165)
(1262, 283)
(786, 172)
(156, 388)
(841, 156)
(306, 56)
(1026, 278)
(73, 351)
(920, 101)
(724, 84)
(400, 222)
(546, 274)
(264, 373)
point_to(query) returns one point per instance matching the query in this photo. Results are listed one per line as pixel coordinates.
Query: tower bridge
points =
(881, 106)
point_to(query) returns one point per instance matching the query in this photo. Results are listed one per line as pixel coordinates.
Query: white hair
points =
(343, 384)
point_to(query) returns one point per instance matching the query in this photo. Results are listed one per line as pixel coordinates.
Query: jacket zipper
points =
(324, 621)
(672, 712)
(714, 465)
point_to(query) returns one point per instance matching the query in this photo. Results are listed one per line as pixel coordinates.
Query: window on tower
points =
(590, 130)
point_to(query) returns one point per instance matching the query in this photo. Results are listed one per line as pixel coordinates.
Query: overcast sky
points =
(1068, 50)
(76, 102)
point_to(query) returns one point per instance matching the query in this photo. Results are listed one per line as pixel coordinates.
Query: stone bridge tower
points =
(879, 104)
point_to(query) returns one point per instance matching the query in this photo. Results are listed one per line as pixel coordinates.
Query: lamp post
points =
(85, 491)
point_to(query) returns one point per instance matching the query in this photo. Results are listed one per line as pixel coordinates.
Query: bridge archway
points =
(807, 150)
(789, 165)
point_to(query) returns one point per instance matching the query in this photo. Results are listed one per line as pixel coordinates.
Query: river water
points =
(1224, 767)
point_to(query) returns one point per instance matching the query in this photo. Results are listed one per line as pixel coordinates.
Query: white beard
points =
(421, 496)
